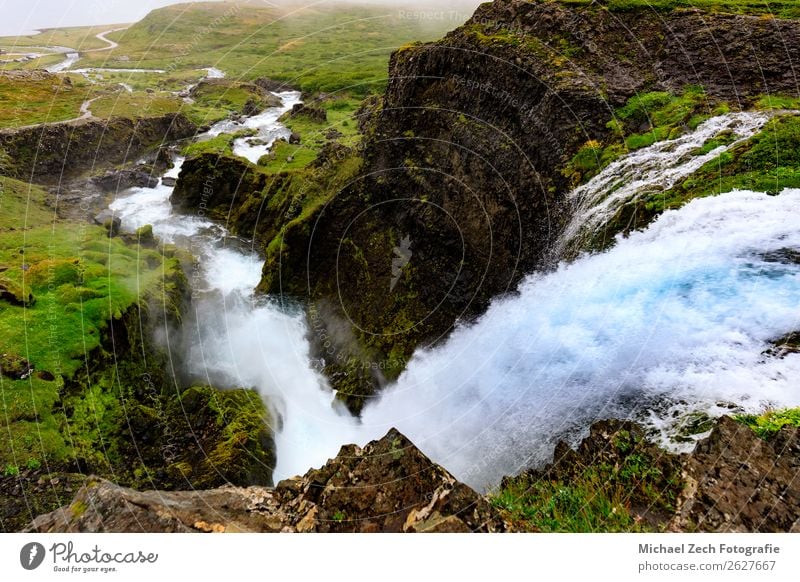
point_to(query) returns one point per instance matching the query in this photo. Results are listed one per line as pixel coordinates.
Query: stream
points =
(671, 320)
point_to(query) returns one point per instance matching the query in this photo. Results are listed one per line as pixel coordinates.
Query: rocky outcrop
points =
(738, 482)
(388, 486)
(50, 153)
(464, 158)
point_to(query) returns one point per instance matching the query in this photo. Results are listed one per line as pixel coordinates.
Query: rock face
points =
(49, 153)
(738, 482)
(463, 158)
(388, 486)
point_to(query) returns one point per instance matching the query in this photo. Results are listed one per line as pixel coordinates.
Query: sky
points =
(24, 16)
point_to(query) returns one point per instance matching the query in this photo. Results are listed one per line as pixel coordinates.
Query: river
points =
(671, 320)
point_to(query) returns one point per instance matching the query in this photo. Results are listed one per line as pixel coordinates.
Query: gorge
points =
(560, 213)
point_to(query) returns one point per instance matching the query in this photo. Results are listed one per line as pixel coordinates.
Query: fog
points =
(27, 16)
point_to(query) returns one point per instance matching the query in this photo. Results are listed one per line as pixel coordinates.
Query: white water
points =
(680, 312)
(266, 124)
(237, 340)
(69, 60)
(654, 169)
(672, 319)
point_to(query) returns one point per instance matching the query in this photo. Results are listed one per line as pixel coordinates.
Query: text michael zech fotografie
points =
(722, 548)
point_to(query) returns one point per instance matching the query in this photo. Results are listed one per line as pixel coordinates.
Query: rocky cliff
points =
(388, 486)
(462, 188)
(52, 153)
(615, 480)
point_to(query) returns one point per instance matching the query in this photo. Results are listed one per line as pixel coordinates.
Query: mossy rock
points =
(15, 294)
(55, 272)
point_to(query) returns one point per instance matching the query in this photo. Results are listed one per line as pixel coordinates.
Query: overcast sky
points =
(20, 16)
(24, 16)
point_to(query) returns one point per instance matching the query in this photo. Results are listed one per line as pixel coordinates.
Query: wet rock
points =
(388, 486)
(118, 180)
(109, 221)
(738, 482)
(169, 181)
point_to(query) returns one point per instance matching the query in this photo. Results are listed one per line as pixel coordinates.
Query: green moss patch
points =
(769, 423)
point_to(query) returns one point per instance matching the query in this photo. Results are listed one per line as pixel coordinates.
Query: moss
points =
(78, 508)
(622, 483)
(769, 423)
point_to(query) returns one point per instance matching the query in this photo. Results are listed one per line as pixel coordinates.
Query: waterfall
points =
(653, 169)
(673, 319)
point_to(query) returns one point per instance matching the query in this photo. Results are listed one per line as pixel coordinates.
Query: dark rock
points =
(294, 138)
(169, 181)
(67, 150)
(14, 293)
(109, 221)
(388, 486)
(118, 180)
(15, 367)
(333, 133)
(738, 482)
(316, 114)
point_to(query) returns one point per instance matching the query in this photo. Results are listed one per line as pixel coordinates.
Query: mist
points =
(26, 17)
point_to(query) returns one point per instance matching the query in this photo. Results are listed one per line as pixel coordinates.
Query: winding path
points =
(73, 55)
(111, 43)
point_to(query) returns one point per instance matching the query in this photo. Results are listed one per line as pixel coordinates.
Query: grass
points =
(770, 422)
(80, 280)
(608, 492)
(131, 105)
(77, 37)
(39, 99)
(780, 8)
(325, 48)
(289, 157)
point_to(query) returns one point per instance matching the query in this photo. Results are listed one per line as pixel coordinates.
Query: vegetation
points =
(324, 48)
(628, 485)
(770, 422)
(779, 8)
(78, 37)
(26, 100)
(81, 280)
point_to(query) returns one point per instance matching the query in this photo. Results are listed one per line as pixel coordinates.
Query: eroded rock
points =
(387, 486)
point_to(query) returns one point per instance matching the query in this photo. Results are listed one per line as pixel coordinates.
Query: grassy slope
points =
(80, 279)
(321, 49)
(37, 100)
(780, 8)
(77, 37)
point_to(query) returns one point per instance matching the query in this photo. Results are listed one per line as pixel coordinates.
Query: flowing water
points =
(672, 319)
(654, 169)
(265, 125)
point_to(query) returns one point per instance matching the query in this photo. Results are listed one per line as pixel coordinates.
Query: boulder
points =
(118, 180)
(739, 482)
(387, 486)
